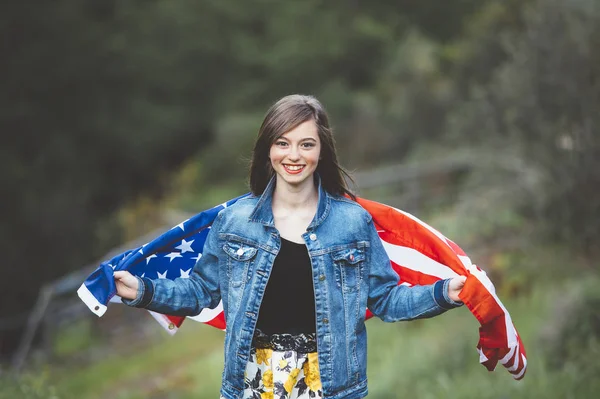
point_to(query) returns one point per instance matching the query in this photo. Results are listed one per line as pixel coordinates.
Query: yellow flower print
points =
(266, 395)
(291, 380)
(263, 356)
(312, 376)
(268, 379)
(283, 364)
(294, 373)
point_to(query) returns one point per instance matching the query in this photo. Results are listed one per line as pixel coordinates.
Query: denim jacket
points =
(350, 269)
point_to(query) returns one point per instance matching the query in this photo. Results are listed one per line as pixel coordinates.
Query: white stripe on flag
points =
(517, 376)
(509, 355)
(511, 334)
(482, 357)
(208, 314)
(164, 322)
(516, 363)
(90, 300)
(415, 260)
(466, 261)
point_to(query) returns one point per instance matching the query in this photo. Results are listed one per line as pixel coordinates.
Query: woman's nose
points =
(294, 154)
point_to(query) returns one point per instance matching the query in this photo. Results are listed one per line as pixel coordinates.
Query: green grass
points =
(164, 366)
(74, 337)
(28, 386)
(437, 358)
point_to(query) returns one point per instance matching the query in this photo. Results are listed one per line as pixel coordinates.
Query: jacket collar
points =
(263, 211)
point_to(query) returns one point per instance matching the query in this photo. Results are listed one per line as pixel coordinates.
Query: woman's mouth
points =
(293, 169)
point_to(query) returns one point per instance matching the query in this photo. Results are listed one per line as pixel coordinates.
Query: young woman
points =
(296, 265)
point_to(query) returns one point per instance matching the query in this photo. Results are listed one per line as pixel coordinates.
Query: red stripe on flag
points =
(218, 321)
(400, 229)
(456, 248)
(176, 320)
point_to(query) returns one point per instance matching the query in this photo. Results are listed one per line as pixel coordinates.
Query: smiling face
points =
(295, 141)
(295, 154)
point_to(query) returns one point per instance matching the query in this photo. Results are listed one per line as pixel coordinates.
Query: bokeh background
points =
(119, 118)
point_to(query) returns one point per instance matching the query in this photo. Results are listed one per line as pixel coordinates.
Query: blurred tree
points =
(543, 102)
(473, 57)
(89, 122)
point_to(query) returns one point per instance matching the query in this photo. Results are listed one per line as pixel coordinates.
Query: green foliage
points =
(173, 364)
(541, 103)
(27, 387)
(74, 337)
(572, 334)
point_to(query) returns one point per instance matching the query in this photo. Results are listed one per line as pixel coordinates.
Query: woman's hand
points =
(455, 287)
(127, 284)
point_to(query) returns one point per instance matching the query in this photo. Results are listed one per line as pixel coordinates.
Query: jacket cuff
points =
(144, 294)
(440, 294)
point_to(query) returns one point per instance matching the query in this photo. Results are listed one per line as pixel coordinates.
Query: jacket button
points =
(322, 277)
(325, 320)
(240, 252)
(312, 237)
(351, 257)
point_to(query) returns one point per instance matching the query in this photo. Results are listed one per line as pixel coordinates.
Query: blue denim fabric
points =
(351, 272)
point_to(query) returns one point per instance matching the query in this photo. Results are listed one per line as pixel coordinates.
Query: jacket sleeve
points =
(185, 296)
(392, 302)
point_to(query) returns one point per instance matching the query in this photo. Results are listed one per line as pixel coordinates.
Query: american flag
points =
(418, 253)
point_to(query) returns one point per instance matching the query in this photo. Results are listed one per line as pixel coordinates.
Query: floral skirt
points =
(273, 374)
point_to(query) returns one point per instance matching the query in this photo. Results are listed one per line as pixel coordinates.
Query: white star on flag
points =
(186, 246)
(113, 267)
(180, 225)
(185, 274)
(197, 258)
(150, 257)
(163, 275)
(142, 248)
(173, 255)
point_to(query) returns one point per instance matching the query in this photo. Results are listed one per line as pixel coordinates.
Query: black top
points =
(288, 305)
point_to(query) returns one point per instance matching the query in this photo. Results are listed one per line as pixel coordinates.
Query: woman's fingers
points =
(121, 274)
(126, 283)
(125, 277)
(455, 287)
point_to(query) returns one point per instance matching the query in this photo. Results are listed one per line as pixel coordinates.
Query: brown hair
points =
(283, 116)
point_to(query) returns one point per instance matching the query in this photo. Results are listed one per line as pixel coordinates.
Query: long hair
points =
(283, 116)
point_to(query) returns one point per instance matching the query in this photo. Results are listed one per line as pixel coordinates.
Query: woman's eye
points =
(308, 145)
(280, 143)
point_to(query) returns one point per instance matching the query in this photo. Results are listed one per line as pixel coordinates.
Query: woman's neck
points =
(291, 197)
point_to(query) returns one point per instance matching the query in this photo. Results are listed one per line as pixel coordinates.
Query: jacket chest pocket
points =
(348, 267)
(240, 257)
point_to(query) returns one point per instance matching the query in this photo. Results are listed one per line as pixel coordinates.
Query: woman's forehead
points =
(305, 130)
